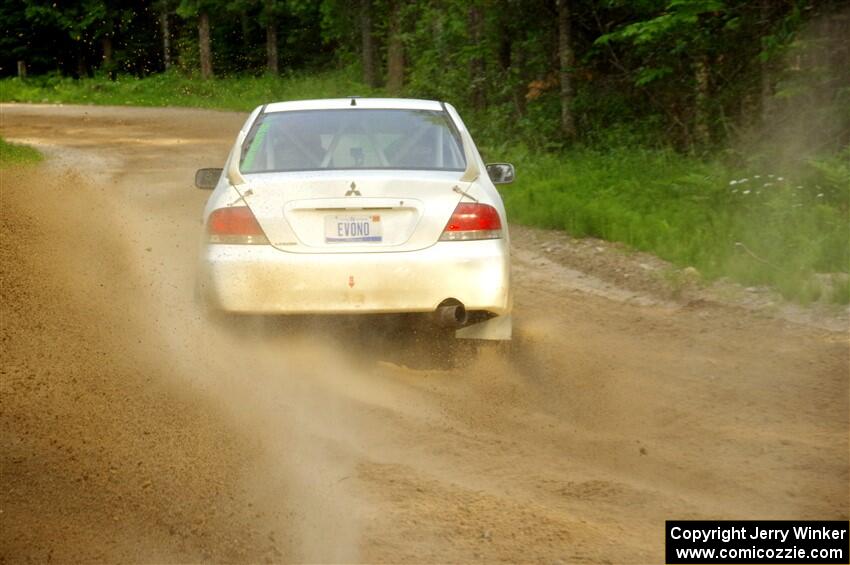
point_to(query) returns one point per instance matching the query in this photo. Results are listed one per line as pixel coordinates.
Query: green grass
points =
(14, 154)
(173, 89)
(774, 230)
(770, 229)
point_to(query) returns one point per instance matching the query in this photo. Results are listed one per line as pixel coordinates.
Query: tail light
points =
(473, 221)
(236, 225)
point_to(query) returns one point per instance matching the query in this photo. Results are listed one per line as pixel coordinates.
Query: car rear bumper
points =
(262, 279)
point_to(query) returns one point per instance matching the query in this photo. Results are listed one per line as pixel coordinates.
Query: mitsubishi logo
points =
(353, 190)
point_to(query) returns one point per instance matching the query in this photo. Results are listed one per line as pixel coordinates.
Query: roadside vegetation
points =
(757, 226)
(176, 89)
(16, 154)
(715, 134)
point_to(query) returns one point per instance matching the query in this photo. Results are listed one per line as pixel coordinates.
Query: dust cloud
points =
(137, 427)
(802, 113)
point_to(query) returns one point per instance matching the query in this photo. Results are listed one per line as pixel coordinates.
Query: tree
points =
(475, 18)
(679, 38)
(269, 17)
(85, 22)
(370, 74)
(204, 47)
(201, 9)
(395, 49)
(566, 61)
(165, 30)
(269, 13)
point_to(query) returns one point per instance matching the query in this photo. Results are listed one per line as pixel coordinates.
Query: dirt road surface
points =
(134, 428)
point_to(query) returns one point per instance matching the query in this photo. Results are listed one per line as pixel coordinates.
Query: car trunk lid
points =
(353, 211)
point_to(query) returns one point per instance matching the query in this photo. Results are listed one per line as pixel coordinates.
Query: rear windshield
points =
(313, 140)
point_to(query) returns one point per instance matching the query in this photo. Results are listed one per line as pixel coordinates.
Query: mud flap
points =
(498, 328)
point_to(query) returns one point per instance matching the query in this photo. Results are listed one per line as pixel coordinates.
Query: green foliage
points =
(830, 174)
(704, 65)
(15, 154)
(68, 36)
(191, 8)
(757, 228)
(79, 20)
(679, 18)
(175, 89)
(339, 25)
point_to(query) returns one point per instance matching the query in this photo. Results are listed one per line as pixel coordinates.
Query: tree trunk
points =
(82, 66)
(395, 50)
(204, 45)
(270, 19)
(106, 44)
(766, 89)
(476, 63)
(517, 70)
(566, 60)
(271, 47)
(245, 25)
(512, 63)
(368, 45)
(166, 38)
(107, 64)
(702, 133)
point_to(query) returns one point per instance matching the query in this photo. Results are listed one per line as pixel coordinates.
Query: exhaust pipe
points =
(450, 316)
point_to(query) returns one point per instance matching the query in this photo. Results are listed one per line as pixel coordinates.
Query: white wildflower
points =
(746, 192)
(780, 178)
(820, 195)
(743, 180)
(756, 176)
(768, 184)
(733, 182)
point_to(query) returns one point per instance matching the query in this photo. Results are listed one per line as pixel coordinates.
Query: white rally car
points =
(359, 205)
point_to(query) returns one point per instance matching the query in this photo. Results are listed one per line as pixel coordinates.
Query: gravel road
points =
(136, 428)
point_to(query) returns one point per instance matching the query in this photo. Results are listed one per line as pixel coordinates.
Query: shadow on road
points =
(409, 340)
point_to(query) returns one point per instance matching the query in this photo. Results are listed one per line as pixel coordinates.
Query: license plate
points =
(346, 229)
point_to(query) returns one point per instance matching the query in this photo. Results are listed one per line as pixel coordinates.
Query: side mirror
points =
(207, 178)
(501, 173)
